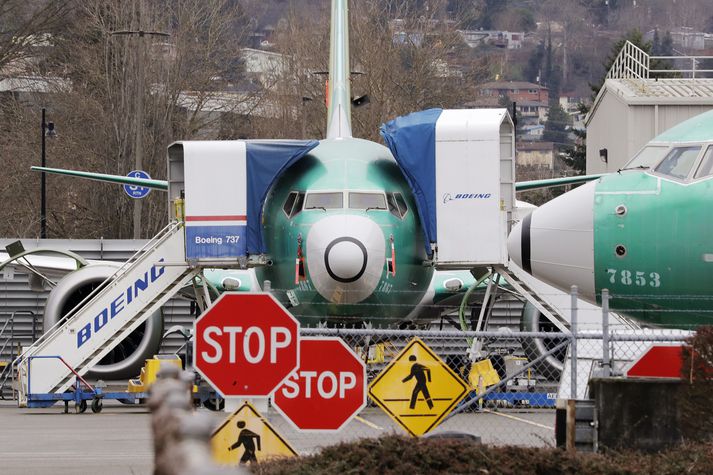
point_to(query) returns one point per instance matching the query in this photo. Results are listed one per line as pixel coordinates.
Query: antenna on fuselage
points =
(339, 121)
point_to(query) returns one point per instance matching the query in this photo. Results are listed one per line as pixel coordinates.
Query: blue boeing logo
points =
(119, 303)
(465, 196)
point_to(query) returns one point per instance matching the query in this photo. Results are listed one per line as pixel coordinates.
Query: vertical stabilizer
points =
(339, 121)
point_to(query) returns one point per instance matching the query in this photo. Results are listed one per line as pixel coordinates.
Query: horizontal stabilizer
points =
(123, 180)
(551, 182)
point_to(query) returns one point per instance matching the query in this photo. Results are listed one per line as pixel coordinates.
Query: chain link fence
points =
(513, 379)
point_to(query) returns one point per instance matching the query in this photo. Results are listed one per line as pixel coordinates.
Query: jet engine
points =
(127, 358)
(533, 321)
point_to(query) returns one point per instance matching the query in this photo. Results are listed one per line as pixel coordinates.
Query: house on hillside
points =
(517, 91)
(535, 154)
(531, 99)
(501, 39)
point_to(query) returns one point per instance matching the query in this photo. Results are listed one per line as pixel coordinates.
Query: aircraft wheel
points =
(214, 403)
(81, 408)
(97, 406)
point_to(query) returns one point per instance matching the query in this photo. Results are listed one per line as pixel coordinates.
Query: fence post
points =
(573, 345)
(606, 362)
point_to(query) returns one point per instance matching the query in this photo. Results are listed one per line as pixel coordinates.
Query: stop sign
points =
(245, 344)
(327, 390)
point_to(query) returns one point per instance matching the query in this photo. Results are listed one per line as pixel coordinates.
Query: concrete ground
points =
(118, 440)
(40, 441)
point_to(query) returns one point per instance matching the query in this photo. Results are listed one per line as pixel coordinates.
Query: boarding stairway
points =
(108, 315)
(514, 276)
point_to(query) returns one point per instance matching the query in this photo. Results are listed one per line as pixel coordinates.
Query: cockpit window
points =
(679, 161)
(647, 157)
(706, 166)
(397, 205)
(324, 200)
(367, 201)
(293, 203)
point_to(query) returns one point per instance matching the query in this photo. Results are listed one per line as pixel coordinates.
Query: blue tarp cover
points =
(412, 140)
(266, 161)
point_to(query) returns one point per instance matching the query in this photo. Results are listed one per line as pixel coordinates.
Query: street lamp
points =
(139, 118)
(47, 131)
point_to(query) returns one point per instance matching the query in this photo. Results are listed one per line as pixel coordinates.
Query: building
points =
(633, 107)
(501, 39)
(517, 91)
(535, 154)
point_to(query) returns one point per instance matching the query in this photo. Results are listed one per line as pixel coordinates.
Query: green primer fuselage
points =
(346, 164)
(666, 275)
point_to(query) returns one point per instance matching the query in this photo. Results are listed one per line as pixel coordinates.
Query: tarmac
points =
(119, 441)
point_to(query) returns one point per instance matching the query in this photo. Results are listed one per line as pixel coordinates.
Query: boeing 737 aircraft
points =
(645, 232)
(341, 225)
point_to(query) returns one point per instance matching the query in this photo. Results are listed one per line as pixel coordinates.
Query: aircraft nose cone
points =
(555, 243)
(345, 257)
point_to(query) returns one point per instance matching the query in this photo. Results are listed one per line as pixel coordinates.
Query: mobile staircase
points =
(100, 322)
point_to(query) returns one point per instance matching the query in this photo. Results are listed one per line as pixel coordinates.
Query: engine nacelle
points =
(127, 358)
(533, 321)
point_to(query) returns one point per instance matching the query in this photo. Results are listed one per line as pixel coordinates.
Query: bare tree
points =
(131, 93)
(26, 26)
(406, 56)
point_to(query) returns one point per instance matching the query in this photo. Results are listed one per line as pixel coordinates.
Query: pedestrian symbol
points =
(246, 437)
(417, 389)
(423, 376)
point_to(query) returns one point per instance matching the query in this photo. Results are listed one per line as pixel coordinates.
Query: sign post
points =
(327, 390)
(246, 344)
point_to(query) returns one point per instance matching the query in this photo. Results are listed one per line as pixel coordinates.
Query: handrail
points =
(50, 333)
(29, 380)
(8, 370)
(634, 63)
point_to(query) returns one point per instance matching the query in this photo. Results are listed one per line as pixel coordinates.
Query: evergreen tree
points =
(656, 45)
(666, 45)
(576, 155)
(557, 125)
(533, 70)
(490, 11)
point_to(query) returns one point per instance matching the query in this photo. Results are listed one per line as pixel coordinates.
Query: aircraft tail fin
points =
(338, 90)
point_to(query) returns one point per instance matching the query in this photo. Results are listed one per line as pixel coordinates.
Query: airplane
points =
(341, 226)
(645, 233)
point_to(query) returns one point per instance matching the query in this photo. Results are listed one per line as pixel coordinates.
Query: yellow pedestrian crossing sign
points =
(417, 389)
(246, 437)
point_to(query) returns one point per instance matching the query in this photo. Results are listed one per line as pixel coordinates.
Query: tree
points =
(130, 95)
(406, 65)
(656, 43)
(557, 126)
(533, 70)
(26, 27)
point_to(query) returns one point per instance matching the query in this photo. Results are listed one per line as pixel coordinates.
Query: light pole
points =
(139, 119)
(47, 130)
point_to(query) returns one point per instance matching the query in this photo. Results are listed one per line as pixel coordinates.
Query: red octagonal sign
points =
(246, 344)
(327, 390)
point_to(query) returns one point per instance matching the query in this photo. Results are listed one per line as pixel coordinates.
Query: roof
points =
(697, 91)
(533, 103)
(510, 85)
(534, 146)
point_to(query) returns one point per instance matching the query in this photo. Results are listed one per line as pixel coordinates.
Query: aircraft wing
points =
(163, 184)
